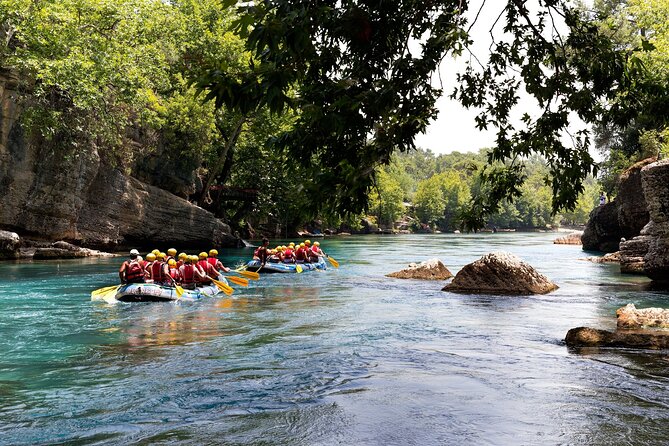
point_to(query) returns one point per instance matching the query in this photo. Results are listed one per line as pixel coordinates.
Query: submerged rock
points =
(591, 337)
(500, 273)
(10, 244)
(630, 316)
(612, 257)
(431, 269)
(570, 239)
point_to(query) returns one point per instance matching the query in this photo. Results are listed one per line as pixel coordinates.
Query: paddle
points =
(238, 280)
(298, 268)
(179, 290)
(249, 274)
(333, 262)
(105, 293)
(227, 289)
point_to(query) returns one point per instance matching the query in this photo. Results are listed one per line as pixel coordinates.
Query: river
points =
(341, 357)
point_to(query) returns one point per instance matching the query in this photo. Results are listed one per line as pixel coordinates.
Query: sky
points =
(454, 129)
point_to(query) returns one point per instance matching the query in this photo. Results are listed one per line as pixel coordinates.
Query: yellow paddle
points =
(238, 280)
(298, 268)
(105, 293)
(227, 289)
(248, 274)
(333, 262)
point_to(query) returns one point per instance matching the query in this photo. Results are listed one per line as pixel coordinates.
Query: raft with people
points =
(167, 277)
(291, 258)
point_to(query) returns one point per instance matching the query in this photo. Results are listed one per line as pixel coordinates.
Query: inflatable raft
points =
(254, 265)
(150, 292)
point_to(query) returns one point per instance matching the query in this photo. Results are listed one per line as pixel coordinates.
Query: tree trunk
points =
(218, 166)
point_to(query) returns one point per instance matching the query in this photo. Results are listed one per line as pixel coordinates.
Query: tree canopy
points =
(362, 93)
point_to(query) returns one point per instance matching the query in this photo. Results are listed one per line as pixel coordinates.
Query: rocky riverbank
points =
(62, 189)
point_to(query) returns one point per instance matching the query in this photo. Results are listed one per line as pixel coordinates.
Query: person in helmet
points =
(207, 269)
(159, 271)
(189, 273)
(217, 264)
(181, 259)
(301, 255)
(131, 270)
(289, 254)
(171, 254)
(174, 271)
(315, 252)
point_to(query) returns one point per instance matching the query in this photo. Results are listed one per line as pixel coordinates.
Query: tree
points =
(429, 200)
(362, 93)
(387, 203)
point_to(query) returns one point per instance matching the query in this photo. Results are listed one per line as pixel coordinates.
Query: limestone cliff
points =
(68, 193)
(624, 217)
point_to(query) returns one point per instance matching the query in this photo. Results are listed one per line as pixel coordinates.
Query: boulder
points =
(431, 269)
(591, 337)
(10, 244)
(57, 253)
(602, 233)
(630, 316)
(655, 179)
(500, 273)
(612, 257)
(570, 239)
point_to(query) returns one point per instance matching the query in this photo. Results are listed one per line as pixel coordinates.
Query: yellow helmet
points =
(291, 244)
(183, 256)
(317, 243)
(160, 255)
(150, 257)
(156, 251)
(192, 258)
(172, 263)
(172, 252)
(203, 255)
(307, 242)
(301, 245)
(213, 253)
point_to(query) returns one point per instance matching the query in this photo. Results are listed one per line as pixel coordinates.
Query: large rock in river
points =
(500, 273)
(431, 269)
(10, 243)
(630, 316)
(591, 337)
(570, 239)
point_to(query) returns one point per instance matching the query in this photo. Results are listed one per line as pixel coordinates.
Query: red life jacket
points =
(212, 261)
(174, 274)
(134, 272)
(288, 253)
(188, 273)
(157, 272)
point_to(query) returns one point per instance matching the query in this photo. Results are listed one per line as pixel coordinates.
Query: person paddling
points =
(207, 269)
(189, 273)
(262, 252)
(159, 270)
(217, 264)
(131, 270)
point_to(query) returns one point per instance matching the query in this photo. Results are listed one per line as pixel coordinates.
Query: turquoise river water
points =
(342, 357)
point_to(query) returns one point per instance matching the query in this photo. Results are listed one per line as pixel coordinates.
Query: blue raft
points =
(150, 292)
(254, 266)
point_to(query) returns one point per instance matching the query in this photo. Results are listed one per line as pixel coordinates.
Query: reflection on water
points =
(347, 356)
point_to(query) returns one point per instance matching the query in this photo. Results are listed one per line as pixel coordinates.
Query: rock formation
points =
(56, 191)
(591, 337)
(630, 316)
(500, 273)
(623, 217)
(570, 239)
(432, 269)
(10, 244)
(612, 257)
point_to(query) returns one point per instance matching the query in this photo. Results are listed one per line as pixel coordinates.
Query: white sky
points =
(454, 128)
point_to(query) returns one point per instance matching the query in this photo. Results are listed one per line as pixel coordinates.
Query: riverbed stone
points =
(432, 269)
(630, 316)
(592, 337)
(570, 239)
(500, 273)
(10, 244)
